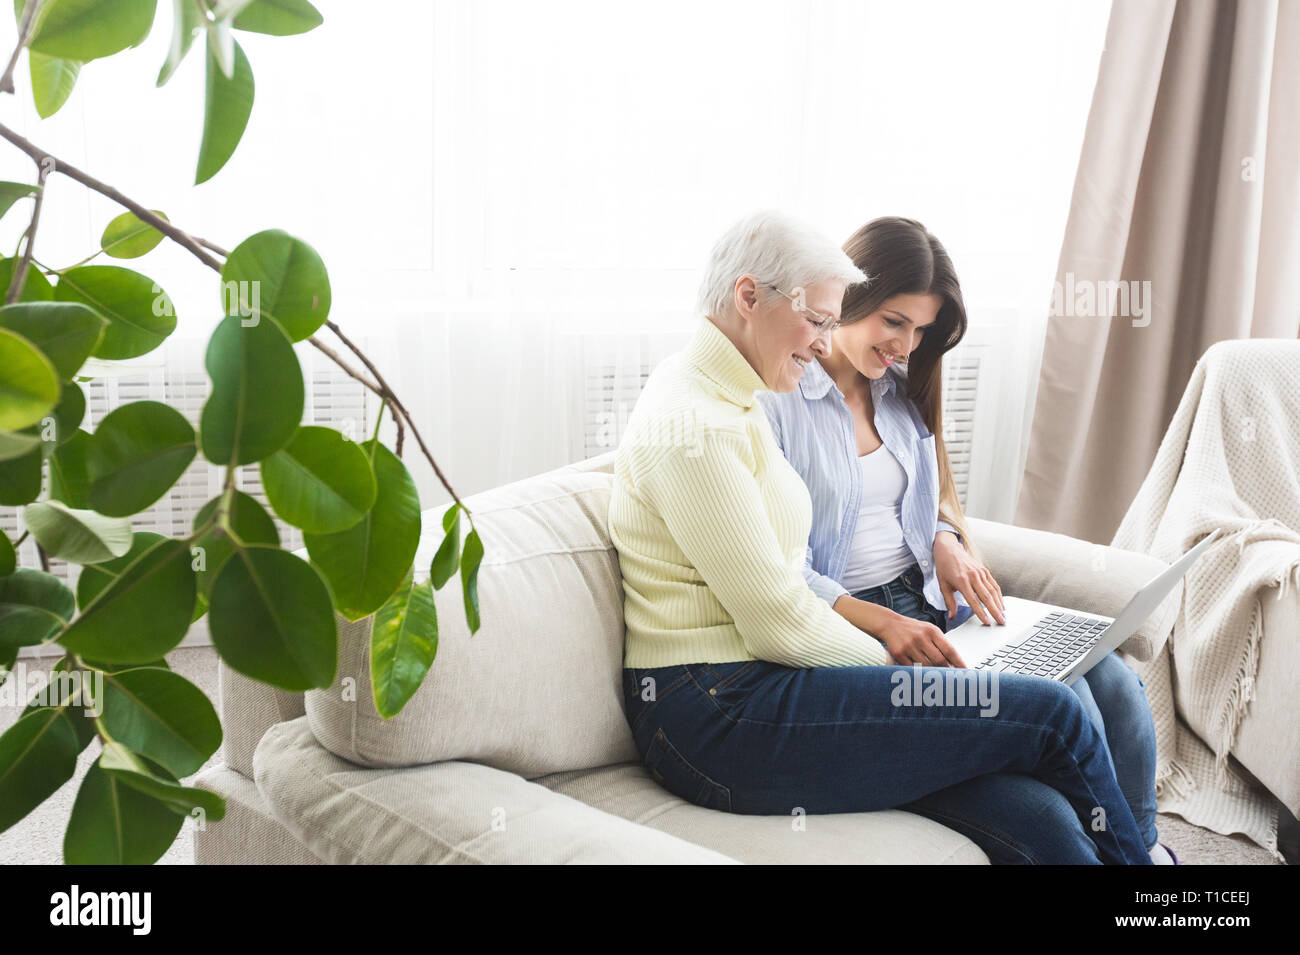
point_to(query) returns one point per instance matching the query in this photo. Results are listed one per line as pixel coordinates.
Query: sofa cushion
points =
(889, 837)
(536, 690)
(448, 813)
(248, 709)
(249, 833)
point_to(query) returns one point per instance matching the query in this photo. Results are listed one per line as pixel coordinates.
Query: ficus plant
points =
(272, 615)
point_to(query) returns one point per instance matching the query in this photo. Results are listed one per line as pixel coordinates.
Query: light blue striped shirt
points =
(814, 429)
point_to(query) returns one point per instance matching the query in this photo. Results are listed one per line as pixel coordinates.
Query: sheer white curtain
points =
(515, 199)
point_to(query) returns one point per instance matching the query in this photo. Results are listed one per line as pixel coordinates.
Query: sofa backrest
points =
(535, 691)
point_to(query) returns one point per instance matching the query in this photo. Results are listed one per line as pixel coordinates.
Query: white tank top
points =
(878, 553)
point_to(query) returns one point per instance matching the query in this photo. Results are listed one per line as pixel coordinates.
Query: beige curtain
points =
(1184, 230)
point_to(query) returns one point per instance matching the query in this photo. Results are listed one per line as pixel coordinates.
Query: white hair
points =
(776, 249)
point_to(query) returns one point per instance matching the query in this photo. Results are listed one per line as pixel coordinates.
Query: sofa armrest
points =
(1092, 578)
(449, 812)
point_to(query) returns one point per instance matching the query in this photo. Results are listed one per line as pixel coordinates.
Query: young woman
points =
(889, 549)
(744, 690)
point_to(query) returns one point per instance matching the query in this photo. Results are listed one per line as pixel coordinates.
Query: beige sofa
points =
(516, 749)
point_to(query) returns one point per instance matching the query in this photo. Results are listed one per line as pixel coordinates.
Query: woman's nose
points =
(822, 345)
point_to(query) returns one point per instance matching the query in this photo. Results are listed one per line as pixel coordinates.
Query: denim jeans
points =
(757, 737)
(990, 810)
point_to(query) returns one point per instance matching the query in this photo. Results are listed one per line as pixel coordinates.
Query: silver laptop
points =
(1045, 640)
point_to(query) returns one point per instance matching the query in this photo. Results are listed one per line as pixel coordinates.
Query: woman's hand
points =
(915, 641)
(907, 640)
(959, 572)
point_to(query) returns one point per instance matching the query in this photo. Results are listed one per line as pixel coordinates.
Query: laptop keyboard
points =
(1061, 639)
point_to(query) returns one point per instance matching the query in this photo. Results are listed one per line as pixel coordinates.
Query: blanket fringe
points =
(1243, 689)
(1173, 780)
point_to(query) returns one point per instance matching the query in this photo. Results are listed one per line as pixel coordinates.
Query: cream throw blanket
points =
(1230, 459)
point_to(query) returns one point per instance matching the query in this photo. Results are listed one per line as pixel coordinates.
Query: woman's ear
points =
(745, 297)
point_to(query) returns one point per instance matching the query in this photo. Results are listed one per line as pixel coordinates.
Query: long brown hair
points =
(901, 257)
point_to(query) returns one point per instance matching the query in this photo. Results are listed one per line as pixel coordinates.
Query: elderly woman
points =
(746, 692)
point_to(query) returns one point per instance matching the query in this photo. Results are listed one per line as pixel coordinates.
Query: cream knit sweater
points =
(711, 526)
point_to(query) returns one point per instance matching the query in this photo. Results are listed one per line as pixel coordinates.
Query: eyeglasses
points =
(819, 320)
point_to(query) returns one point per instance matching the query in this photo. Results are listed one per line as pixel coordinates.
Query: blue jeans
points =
(757, 737)
(991, 810)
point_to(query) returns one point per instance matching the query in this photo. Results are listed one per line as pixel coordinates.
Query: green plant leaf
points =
(29, 385)
(69, 478)
(250, 523)
(36, 288)
(89, 29)
(8, 556)
(160, 663)
(53, 78)
(62, 425)
(66, 690)
(129, 237)
(448, 556)
(273, 274)
(270, 619)
(77, 536)
(162, 715)
(365, 563)
(140, 314)
(319, 481)
(279, 17)
(403, 644)
(186, 21)
(65, 332)
(228, 102)
(257, 392)
(8, 656)
(20, 479)
(127, 767)
(469, 564)
(38, 754)
(135, 455)
(34, 606)
(140, 615)
(95, 577)
(115, 824)
(11, 192)
(221, 44)
(16, 444)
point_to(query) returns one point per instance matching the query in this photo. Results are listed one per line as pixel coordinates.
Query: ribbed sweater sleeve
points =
(712, 506)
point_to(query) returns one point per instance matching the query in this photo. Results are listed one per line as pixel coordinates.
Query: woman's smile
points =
(886, 358)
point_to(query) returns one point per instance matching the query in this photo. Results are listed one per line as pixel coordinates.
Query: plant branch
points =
(401, 431)
(388, 394)
(24, 28)
(19, 278)
(215, 248)
(338, 360)
(44, 159)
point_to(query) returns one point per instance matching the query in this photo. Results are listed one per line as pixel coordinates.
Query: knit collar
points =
(712, 352)
(816, 382)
